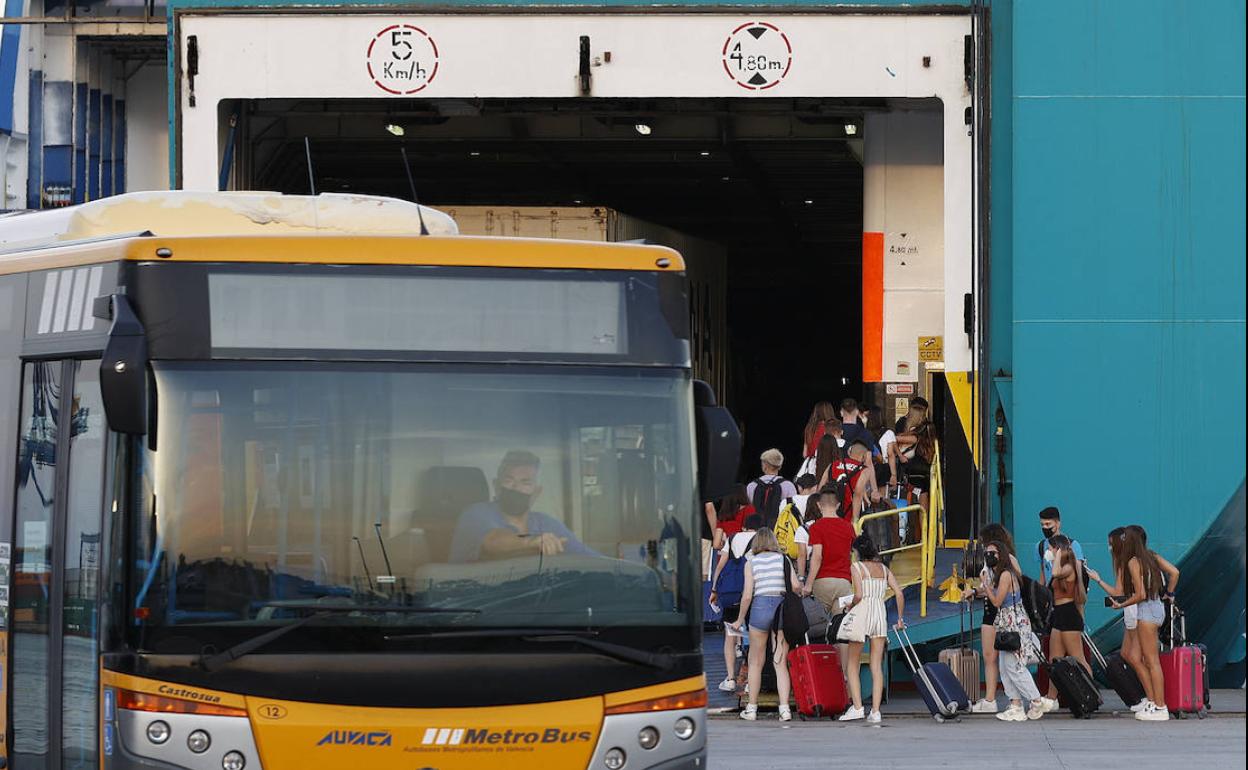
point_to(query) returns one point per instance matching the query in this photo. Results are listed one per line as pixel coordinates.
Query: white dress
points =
(869, 614)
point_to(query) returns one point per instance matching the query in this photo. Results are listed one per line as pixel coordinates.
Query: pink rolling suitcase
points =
(1183, 667)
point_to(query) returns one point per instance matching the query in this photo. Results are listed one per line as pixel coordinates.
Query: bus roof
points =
(265, 227)
(182, 213)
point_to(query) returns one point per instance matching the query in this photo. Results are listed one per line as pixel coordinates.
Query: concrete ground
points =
(907, 739)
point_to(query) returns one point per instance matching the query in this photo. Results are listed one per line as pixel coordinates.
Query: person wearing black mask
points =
(1045, 553)
(508, 525)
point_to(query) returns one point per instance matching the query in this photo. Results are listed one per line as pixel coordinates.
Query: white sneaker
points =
(984, 706)
(1048, 704)
(852, 714)
(1137, 708)
(1038, 709)
(728, 685)
(785, 714)
(1153, 713)
(874, 718)
(750, 712)
(1013, 714)
(740, 652)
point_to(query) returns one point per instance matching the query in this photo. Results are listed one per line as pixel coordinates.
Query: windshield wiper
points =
(622, 652)
(211, 663)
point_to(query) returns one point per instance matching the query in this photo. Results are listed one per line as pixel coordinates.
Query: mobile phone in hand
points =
(1109, 600)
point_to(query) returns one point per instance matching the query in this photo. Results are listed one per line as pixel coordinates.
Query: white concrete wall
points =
(904, 198)
(294, 55)
(147, 129)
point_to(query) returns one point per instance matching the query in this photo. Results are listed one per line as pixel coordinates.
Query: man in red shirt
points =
(831, 539)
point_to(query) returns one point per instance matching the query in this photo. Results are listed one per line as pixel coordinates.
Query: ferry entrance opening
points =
(765, 196)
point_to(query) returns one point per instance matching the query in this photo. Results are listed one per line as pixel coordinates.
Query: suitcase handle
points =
(1096, 652)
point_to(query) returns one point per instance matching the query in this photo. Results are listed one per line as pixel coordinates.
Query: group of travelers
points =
(781, 537)
(799, 537)
(1143, 582)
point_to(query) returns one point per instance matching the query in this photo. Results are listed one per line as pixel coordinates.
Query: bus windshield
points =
(524, 497)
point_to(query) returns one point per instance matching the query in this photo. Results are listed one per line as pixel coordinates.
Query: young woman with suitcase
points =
(764, 590)
(1016, 644)
(867, 619)
(1142, 584)
(1069, 599)
(988, 630)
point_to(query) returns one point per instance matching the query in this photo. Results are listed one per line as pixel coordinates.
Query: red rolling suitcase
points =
(1183, 668)
(818, 681)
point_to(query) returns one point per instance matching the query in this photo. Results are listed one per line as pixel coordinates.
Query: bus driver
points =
(508, 525)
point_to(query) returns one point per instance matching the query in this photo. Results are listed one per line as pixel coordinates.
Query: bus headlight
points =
(648, 737)
(158, 731)
(233, 761)
(613, 759)
(684, 728)
(198, 741)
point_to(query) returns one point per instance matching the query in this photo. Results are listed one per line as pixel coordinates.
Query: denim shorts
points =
(1152, 612)
(763, 612)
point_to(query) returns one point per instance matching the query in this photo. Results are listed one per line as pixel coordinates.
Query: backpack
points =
(1038, 602)
(731, 581)
(766, 500)
(786, 529)
(791, 618)
(851, 481)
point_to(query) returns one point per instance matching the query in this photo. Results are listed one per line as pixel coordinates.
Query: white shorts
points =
(1129, 615)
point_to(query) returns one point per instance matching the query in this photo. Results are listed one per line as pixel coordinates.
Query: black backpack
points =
(768, 497)
(791, 618)
(1038, 602)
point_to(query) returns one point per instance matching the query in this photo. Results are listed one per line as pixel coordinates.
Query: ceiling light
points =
(851, 129)
(643, 129)
(724, 178)
(705, 154)
(395, 129)
(809, 202)
(475, 154)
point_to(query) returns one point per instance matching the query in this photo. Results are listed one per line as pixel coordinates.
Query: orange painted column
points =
(873, 307)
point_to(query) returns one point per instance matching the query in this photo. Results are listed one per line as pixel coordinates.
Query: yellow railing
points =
(921, 578)
(932, 527)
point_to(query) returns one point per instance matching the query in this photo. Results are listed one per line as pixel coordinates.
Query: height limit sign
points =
(757, 55)
(402, 59)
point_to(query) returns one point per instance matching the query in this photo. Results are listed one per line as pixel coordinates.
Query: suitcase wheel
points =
(1202, 713)
(817, 712)
(1182, 715)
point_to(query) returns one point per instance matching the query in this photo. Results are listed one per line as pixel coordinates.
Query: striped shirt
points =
(768, 573)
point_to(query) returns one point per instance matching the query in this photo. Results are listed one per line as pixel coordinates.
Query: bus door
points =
(57, 551)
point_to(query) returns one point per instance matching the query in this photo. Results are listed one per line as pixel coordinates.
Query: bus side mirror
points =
(123, 369)
(719, 444)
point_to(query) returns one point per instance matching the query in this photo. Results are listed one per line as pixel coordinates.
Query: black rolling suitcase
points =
(1119, 674)
(1075, 686)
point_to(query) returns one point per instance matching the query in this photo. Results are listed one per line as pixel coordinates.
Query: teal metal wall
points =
(1128, 272)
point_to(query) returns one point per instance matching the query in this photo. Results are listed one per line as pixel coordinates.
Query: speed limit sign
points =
(402, 59)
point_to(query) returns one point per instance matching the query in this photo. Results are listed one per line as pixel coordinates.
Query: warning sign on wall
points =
(931, 348)
(757, 55)
(402, 59)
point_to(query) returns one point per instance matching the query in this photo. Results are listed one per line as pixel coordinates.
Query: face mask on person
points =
(1049, 532)
(990, 559)
(512, 502)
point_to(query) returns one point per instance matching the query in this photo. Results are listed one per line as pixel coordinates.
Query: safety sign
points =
(757, 55)
(402, 59)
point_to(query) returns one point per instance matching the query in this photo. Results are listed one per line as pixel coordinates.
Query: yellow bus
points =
(298, 486)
